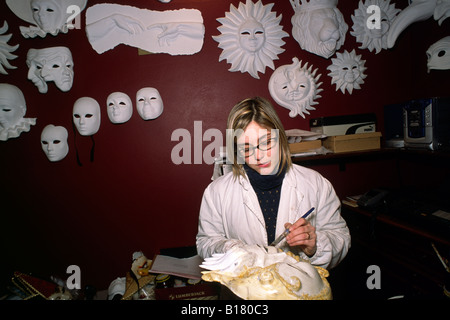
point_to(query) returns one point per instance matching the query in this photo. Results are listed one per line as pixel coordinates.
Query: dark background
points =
(133, 197)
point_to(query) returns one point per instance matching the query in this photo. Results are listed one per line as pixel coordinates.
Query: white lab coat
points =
(230, 215)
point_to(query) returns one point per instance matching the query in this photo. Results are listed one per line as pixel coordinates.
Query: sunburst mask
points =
(251, 37)
(347, 71)
(295, 87)
(368, 33)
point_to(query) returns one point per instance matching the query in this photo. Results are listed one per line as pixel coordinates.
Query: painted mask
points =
(86, 116)
(119, 107)
(149, 103)
(54, 142)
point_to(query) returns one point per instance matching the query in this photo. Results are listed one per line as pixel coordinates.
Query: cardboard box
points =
(304, 146)
(353, 142)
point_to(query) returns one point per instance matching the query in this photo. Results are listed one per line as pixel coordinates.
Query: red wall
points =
(132, 197)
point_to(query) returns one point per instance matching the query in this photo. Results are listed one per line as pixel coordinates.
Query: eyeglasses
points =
(265, 145)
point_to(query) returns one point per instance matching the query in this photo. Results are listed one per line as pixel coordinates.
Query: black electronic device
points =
(425, 123)
(372, 198)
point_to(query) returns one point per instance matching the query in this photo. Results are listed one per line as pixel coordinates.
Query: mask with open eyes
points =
(119, 107)
(149, 103)
(438, 55)
(51, 64)
(86, 116)
(54, 142)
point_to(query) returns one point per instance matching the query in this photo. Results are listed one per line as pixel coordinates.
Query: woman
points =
(266, 193)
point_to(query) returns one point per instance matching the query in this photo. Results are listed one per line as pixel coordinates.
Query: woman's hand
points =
(302, 234)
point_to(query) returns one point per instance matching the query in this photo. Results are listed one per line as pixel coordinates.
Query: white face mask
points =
(51, 64)
(149, 103)
(48, 14)
(119, 107)
(12, 105)
(438, 55)
(86, 116)
(54, 142)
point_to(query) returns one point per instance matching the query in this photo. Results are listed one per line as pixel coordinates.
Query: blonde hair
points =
(262, 112)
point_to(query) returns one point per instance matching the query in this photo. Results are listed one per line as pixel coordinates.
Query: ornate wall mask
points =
(51, 65)
(251, 37)
(438, 55)
(318, 26)
(12, 112)
(367, 32)
(47, 16)
(295, 87)
(347, 71)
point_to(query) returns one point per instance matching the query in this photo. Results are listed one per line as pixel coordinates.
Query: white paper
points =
(297, 135)
(186, 267)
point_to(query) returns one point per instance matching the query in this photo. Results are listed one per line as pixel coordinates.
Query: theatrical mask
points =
(295, 87)
(251, 37)
(47, 16)
(86, 116)
(12, 111)
(51, 64)
(438, 55)
(254, 272)
(119, 107)
(149, 103)
(54, 142)
(318, 26)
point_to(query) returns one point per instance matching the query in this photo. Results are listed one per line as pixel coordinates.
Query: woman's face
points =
(260, 148)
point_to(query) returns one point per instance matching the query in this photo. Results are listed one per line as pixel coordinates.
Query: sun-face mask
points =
(149, 103)
(12, 111)
(86, 116)
(51, 64)
(295, 87)
(119, 107)
(54, 142)
(251, 37)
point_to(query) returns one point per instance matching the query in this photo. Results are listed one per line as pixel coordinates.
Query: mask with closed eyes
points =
(149, 103)
(119, 107)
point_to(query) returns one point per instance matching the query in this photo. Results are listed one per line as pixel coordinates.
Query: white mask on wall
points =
(251, 37)
(86, 116)
(51, 64)
(119, 107)
(54, 142)
(6, 50)
(370, 32)
(318, 26)
(347, 71)
(438, 55)
(12, 111)
(47, 16)
(149, 103)
(295, 87)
